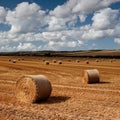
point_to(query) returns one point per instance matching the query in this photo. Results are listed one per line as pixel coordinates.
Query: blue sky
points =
(34, 25)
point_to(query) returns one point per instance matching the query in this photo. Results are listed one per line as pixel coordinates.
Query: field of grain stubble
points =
(70, 98)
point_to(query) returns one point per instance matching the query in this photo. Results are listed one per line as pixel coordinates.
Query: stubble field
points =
(70, 98)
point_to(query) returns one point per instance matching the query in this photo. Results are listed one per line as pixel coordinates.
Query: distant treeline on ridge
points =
(83, 54)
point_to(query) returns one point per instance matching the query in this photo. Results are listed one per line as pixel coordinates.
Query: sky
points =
(62, 25)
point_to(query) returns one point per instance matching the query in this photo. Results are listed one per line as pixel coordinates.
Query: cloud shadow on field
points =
(54, 99)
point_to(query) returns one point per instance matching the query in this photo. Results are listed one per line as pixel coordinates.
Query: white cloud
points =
(8, 48)
(82, 17)
(79, 7)
(117, 30)
(72, 44)
(56, 24)
(60, 45)
(105, 19)
(74, 9)
(92, 34)
(3, 13)
(61, 11)
(52, 35)
(87, 6)
(56, 29)
(25, 18)
(26, 46)
(117, 40)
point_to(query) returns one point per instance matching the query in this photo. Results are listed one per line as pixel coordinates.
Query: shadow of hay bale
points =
(103, 82)
(54, 99)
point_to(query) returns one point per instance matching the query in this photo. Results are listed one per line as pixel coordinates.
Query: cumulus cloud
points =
(117, 40)
(117, 30)
(3, 13)
(59, 28)
(87, 6)
(55, 24)
(92, 34)
(74, 9)
(60, 45)
(80, 8)
(26, 46)
(8, 47)
(25, 18)
(105, 19)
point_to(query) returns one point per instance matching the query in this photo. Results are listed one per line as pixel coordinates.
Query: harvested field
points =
(70, 98)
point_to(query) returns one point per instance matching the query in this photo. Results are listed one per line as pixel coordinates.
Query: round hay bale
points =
(54, 61)
(60, 62)
(18, 59)
(111, 61)
(47, 62)
(87, 62)
(77, 61)
(32, 88)
(69, 60)
(43, 60)
(97, 60)
(91, 76)
(14, 61)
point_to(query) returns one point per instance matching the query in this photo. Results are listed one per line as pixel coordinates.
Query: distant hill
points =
(86, 53)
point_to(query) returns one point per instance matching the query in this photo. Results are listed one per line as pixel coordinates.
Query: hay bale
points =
(32, 88)
(54, 61)
(87, 62)
(18, 59)
(60, 62)
(47, 62)
(77, 61)
(91, 76)
(43, 60)
(69, 60)
(14, 61)
(111, 61)
(97, 60)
